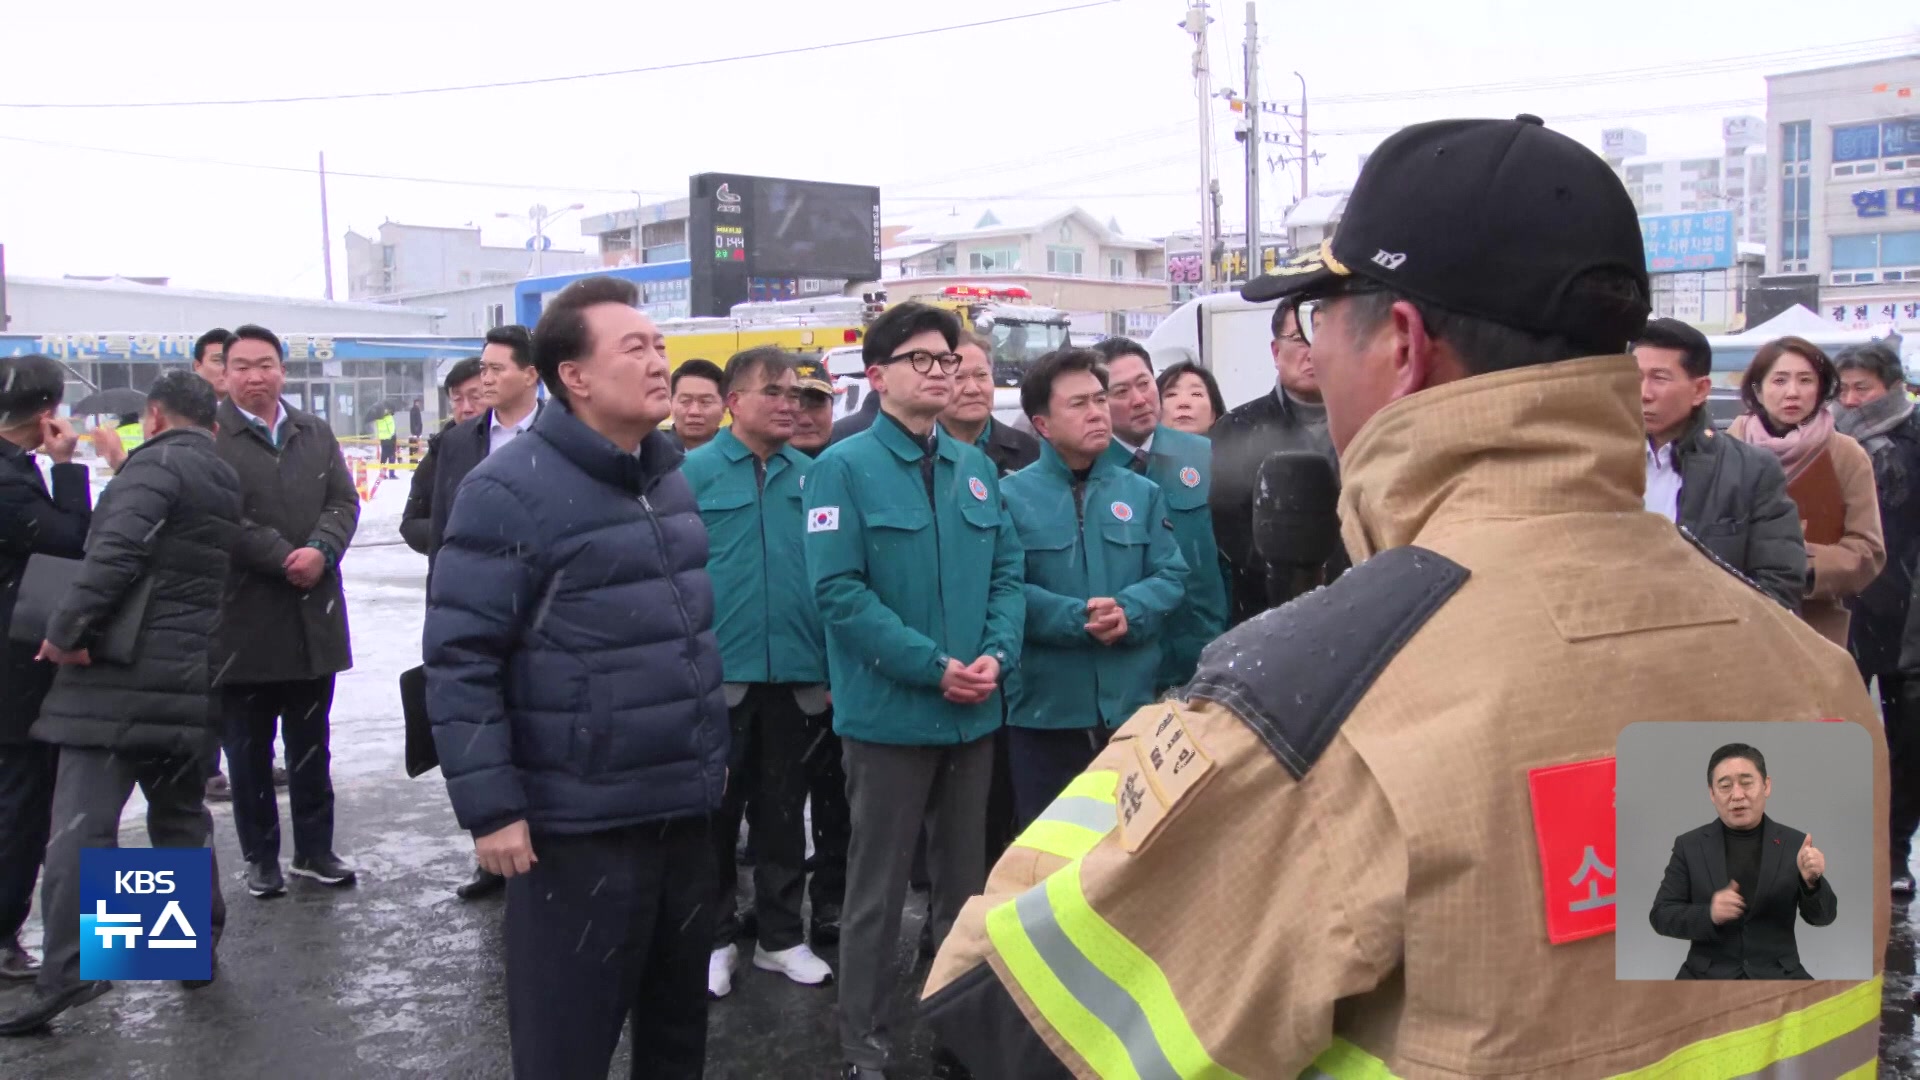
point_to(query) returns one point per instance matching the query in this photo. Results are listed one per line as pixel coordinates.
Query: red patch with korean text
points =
(1573, 826)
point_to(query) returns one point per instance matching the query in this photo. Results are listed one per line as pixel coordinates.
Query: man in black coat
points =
(969, 416)
(1730, 495)
(466, 396)
(169, 518)
(283, 634)
(1290, 418)
(32, 522)
(860, 420)
(1734, 887)
(574, 684)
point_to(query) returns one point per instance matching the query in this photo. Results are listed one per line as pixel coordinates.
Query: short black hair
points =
(902, 323)
(516, 338)
(700, 369)
(1736, 750)
(250, 332)
(184, 396)
(216, 336)
(1875, 358)
(1113, 348)
(771, 360)
(1674, 334)
(462, 373)
(29, 385)
(1485, 346)
(1187, 367)
(562, 335)
(1280, 315)
(1036, 390)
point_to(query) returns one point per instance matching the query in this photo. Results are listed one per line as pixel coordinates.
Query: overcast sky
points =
(1094, 106)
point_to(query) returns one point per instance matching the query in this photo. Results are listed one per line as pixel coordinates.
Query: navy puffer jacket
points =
(573, 678)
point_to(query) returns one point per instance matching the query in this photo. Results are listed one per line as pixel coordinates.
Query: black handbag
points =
(44, 586)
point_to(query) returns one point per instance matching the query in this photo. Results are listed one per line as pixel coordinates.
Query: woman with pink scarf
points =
(1829, 477)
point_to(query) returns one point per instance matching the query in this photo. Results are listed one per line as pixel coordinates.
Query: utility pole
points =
(1196, 26)
(1253, 145)
(326, 230)
(1306, 155)
(538, 215)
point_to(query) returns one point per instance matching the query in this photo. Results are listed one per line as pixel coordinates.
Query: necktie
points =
(261, 426)
(1140, 462)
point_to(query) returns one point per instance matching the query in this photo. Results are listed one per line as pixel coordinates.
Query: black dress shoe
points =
(45, 1007)
(484, 883)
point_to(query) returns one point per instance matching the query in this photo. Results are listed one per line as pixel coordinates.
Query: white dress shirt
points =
(1663, 482)
(499, 435)
(279, 420)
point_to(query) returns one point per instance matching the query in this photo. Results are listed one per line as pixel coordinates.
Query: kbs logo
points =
(146, 913)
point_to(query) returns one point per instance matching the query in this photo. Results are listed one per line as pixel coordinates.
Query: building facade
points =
(1847, 140)
(1064, 256)
(657, 232)
(1733, 180)
(412, 259)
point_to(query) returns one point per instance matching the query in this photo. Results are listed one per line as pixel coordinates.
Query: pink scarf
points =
(1797, 448)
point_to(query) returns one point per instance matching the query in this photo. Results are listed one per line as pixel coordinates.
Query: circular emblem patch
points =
(1122, 512)
(978, 487)
(1190, 476)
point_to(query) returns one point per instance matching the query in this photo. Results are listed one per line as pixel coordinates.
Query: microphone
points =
(1296, 519)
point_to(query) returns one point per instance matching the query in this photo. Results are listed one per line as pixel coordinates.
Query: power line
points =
(579, 77)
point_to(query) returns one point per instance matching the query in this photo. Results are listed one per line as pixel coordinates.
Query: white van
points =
(1226, 335)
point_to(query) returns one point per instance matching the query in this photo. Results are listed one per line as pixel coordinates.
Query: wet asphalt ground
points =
(398, 978)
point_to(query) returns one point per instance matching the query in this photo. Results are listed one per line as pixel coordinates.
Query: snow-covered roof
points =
(124, 286)
(1317, 210)
(908, 251)
(1013, 217)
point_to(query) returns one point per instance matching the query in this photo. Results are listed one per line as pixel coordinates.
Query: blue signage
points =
(178, 348)
(146, 913)
(1677, 242)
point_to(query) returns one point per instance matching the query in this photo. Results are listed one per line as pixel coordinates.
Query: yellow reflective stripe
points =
(1090, 1038)
(1750, 1050)
(1123, 962)
(1103, 785)
(1769, 1049)
(1067, 828)
(1067, 840)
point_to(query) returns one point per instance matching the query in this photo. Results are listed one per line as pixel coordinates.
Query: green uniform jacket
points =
(764, 611)
(904, 583)
(1182, 464)
(383, 427)
(1118, 543)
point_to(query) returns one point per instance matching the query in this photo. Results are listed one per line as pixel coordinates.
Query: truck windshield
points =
(1016, 345)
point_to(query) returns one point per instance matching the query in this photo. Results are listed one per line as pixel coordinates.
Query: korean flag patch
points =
(824, 519)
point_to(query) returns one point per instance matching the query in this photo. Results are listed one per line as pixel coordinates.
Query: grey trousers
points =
(892, 790)
(88, 797)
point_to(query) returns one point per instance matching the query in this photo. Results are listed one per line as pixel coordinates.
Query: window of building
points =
(1868, 257)
(1796, 141)
(1870, 149)
(1116, 268)
(496, 315)
(1796, 194)
(1001, 260)
(1063, 260)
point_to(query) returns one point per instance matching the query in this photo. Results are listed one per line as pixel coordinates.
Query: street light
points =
(539, 217)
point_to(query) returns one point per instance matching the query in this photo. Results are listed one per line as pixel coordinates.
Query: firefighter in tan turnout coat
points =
(1327, 861)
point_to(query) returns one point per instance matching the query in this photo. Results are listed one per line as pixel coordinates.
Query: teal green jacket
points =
(764, 611)
(1182, 464)
(1118, 542)
(905, 582)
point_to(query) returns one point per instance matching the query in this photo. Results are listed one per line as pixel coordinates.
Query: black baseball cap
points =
(1488, 218)
(811, 374)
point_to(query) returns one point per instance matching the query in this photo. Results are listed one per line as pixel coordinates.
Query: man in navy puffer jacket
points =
(574, 685)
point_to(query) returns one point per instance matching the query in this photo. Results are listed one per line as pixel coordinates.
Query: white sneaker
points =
(720, 968)
(797, 963)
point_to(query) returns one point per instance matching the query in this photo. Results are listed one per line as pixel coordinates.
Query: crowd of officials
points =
(902, 640)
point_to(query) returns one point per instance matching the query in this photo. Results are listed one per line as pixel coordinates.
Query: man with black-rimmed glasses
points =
(917, 570)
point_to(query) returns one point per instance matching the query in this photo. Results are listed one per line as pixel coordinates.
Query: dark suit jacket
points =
(859, 421)
(1010, 448)
(1760, 943)
(32, 522)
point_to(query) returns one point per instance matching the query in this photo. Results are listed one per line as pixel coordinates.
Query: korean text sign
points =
(1703, 241)
(146, 913)
(1573, 826)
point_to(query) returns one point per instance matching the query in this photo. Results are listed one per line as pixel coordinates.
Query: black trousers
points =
(389, 452)
(608, 926)
(767, 778)
(249, 714)
(1043, 762)
(88, 798)
(26, 806)
(1902, 722)
(832, 817)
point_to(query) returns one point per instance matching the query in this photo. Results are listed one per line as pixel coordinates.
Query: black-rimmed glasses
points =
(923, 361)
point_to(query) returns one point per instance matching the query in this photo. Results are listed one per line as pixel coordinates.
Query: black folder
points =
(44, 586)
(421, 756)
